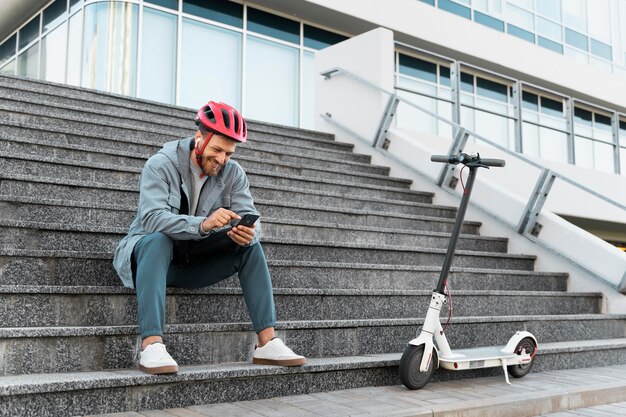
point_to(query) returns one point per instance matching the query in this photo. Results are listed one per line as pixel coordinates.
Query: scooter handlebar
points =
(464, 159)
(493, 162)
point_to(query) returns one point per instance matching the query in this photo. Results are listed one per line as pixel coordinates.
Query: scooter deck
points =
(474, 354)
(485, 357)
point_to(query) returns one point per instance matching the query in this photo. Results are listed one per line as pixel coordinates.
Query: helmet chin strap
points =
(200, 151)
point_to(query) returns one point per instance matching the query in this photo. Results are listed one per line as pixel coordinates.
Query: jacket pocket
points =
(174, 202)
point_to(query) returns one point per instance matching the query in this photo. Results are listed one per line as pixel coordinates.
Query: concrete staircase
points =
(354, 255)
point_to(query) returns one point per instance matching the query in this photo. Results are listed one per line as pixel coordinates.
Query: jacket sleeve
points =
(242, 202)
(159, 202)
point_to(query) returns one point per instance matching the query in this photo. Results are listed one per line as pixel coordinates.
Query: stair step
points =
(99, 306)
(81, 393)
(140, 109)
(115, 176)
(25, 267)
(33, 209)
(29, 350)
(51, 189)
(88, 128)
(389, 255)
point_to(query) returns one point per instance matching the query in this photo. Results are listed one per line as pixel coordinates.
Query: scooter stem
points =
(456, 230)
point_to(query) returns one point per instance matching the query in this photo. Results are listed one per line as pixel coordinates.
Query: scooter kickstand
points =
(506, 373)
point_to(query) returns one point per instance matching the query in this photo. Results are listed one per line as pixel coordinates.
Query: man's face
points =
(216, 154)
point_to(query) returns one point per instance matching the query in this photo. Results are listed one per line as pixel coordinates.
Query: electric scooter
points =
(421, 357)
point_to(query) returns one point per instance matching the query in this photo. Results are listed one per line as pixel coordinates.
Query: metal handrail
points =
(337, 71)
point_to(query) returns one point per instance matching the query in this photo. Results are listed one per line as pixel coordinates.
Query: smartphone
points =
(247, 220)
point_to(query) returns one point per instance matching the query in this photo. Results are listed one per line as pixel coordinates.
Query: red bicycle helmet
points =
(222, 119)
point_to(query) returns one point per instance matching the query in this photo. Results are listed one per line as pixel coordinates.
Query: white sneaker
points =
(155, 360)
(275, 352)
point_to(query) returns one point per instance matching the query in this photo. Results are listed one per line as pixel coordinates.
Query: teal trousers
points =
(153, 271)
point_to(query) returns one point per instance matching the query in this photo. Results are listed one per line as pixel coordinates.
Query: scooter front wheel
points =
(410, 374)
(526, 345)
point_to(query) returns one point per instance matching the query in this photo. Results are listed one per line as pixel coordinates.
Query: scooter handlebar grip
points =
(493, 162)
(440, 158)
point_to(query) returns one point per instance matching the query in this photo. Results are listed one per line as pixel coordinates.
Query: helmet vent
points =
(236, 122)
(209, 114)
(226, 117)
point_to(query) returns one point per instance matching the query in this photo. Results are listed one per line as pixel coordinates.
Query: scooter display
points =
(430, 349)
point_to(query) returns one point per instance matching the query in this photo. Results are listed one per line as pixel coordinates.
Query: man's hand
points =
(242, 235)
(219, 218)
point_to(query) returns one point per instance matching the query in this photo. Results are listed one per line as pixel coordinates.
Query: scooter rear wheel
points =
(528, 345)
(410, 374)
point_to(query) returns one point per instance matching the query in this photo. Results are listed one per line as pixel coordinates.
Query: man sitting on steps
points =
(190, 191)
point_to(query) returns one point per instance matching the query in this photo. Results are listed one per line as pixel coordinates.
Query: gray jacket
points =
(162, 179)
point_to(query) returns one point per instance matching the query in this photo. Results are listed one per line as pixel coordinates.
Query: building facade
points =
(259, 56)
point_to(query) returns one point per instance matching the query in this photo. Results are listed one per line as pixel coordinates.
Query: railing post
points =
(615, 131)
(571, 139)
(385, 121)
(528, 223)
(517, 108)
(455, 82)
(460, 139)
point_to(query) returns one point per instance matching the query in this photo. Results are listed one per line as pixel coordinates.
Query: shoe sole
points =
(160, 370)
(278, 362)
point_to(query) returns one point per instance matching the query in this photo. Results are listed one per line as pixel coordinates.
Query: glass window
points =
(455, 8)
(221, 11)
(520, 17)
(527, 4)
(583, 116)
(431, 2)
(530, 139)
(530, 101)
(552, 145)
(599, 19)
(576, 39)
(551, 107)
(75, 5)
(53, 49)
(319, 38)
(201, 78)
(551, 45)
(601, 49)
(54, 14)
(549, 29)
(575, 15)
(272, 90)
(622, 160)
(411, 118)
(491, 89)
(74, 49)
(28, 62)
(520, 33)
(274, 26)
(29, 33)
(418, 68)
(308, 92)
(9, 68)
(444, 76)
(7, 49)
(489, 21)
(467, 82)
(577, 55)
(492, 127)
(170, 4)
(158, 56)
(622, 134)
(110, 47)
(550, 8)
